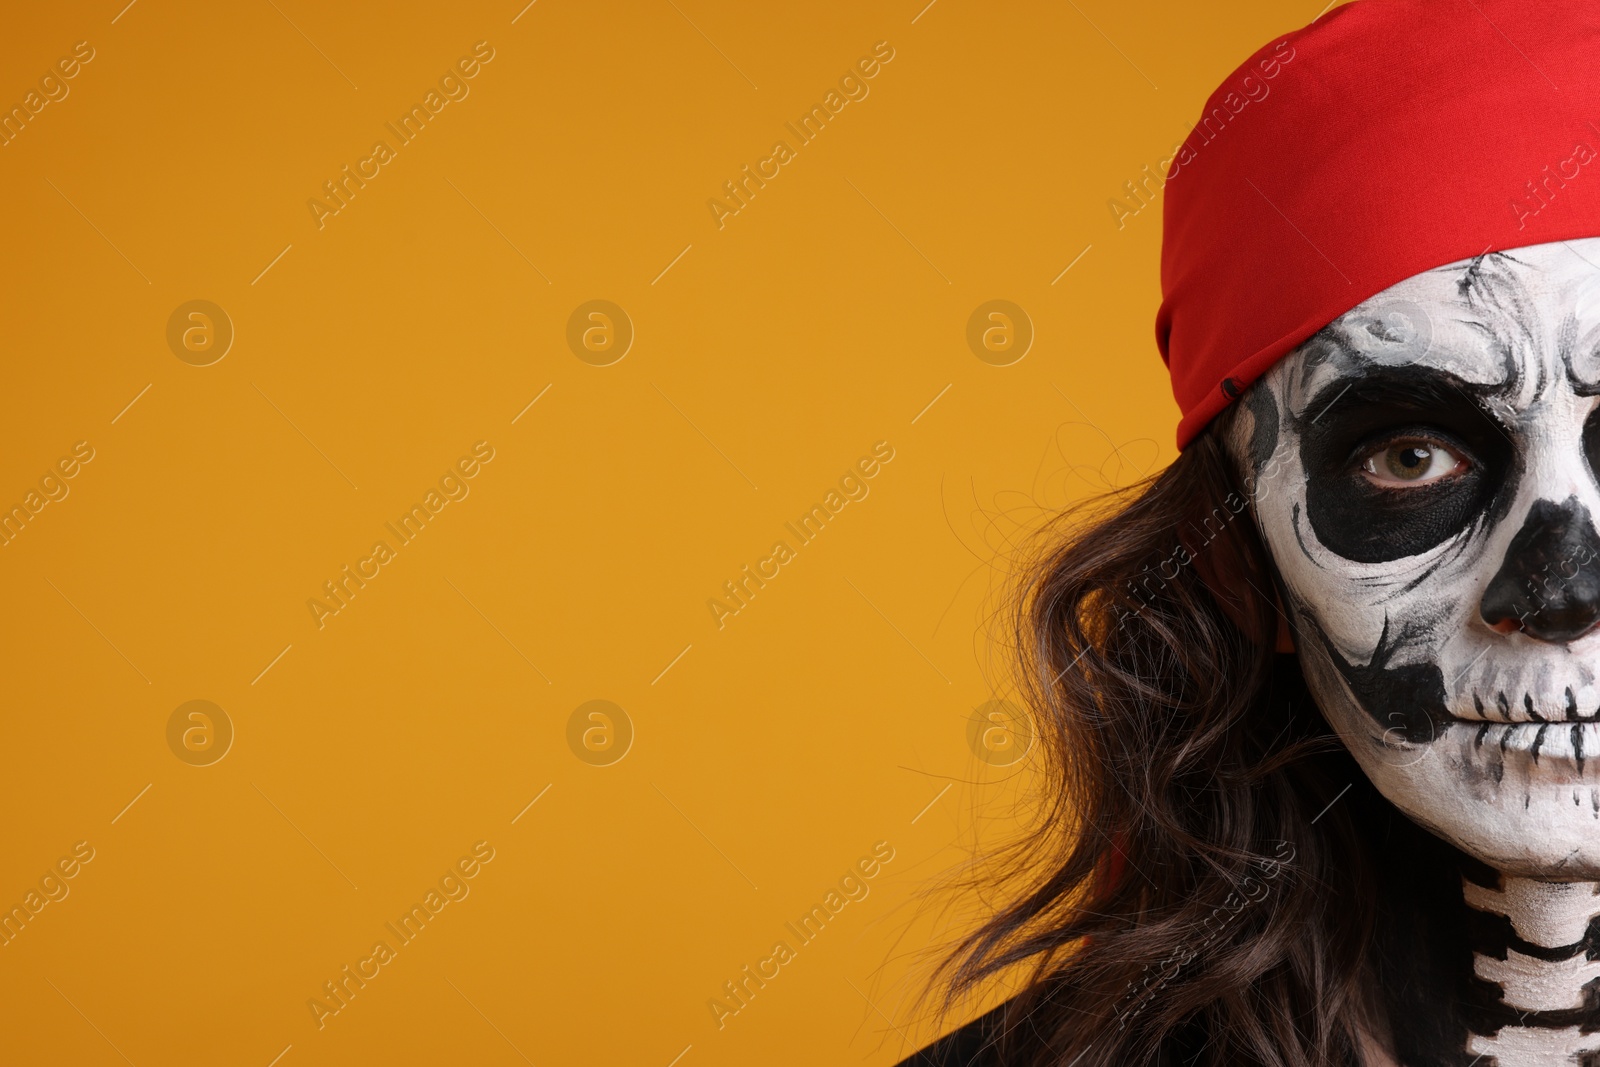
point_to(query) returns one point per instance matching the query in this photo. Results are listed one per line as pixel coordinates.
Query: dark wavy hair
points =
(1210, 879)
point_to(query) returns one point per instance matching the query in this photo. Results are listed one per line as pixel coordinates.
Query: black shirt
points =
(977, 1044)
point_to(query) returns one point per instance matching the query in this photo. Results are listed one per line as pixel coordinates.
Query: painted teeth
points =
(1545, 742)
(1504, 708)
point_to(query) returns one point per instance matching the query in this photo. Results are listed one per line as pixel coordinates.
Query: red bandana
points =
(1387, 138)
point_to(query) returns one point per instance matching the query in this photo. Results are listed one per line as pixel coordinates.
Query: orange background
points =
(769, 355)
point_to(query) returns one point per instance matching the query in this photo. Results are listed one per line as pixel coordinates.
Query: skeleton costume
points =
(1423, 474)
(1391, 262)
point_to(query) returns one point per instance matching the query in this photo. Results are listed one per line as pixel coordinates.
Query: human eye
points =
(1413, 460)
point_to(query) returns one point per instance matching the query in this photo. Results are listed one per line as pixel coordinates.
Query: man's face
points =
(1423, 474)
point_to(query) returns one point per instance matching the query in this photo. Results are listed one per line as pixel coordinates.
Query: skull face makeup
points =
(1423, 473)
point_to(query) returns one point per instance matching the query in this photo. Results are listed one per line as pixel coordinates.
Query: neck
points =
(1536, 964)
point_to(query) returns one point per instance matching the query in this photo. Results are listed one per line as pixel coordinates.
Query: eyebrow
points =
(1500, 350)
(1410, 387)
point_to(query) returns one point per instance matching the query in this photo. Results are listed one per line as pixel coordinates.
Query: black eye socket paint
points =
(1370, 523)
(1264, 435)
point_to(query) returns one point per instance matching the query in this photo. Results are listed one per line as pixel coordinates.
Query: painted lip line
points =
(1536, 720)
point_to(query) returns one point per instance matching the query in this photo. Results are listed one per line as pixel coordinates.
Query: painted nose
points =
(1548, 586)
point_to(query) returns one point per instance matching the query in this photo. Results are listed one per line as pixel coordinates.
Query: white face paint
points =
(1423, 474)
